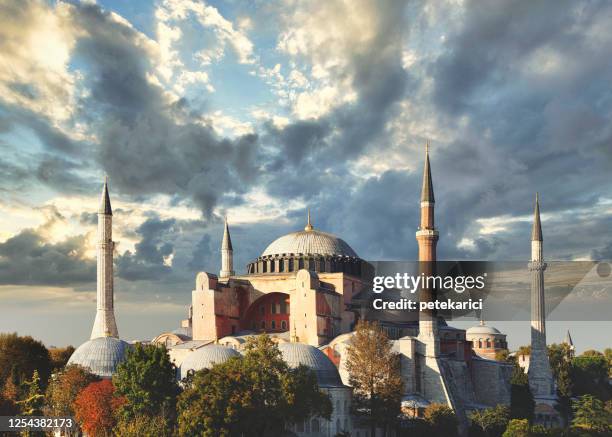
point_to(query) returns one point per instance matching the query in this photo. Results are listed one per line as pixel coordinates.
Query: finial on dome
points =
(308, 226)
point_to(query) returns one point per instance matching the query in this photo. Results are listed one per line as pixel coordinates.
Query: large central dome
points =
(308, 249)
(309, 242)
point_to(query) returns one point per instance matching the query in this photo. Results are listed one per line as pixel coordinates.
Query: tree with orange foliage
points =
(95, 408)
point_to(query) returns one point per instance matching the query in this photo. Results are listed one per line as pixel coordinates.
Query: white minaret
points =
(227, 254)
(104, 324)
(540, 376)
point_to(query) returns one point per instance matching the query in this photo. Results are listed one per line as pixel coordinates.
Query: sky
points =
(259, 110)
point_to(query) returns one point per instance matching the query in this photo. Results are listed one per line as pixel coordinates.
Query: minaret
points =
(227, 254)
(568, 341)
(427, 238)
(104, 324)
(540, 376)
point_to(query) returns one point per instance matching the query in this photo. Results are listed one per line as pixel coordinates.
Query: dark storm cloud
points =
(148, 259)
(309, 150)
(149, 146)
(27, 259)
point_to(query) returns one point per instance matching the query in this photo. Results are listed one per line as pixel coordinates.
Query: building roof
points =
(489, 330)
(100, 355)
(309, 242)
(295, 354)
(227, 240)
(427, 193)
(536, 230)
(205, 357)
(184, 332)
(105, 205)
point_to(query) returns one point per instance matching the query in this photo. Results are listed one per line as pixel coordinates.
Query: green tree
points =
(143, 426)
(374, 374)
(590, 413)
(558, 356)
(517, 428)
(64, 389)
(608, 355)
(441, 420)
(23, 355)
(147, 380)
(254, 395)
(521, 402)
(589, 374)
(491, 422)
(34, 399)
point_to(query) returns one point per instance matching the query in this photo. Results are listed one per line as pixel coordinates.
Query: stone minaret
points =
(227, 254)
(427, 238)
(104, 324)
(540, 376)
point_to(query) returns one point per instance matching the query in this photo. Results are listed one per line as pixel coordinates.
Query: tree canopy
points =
(375, 375)
(95, 408)
(257, 394)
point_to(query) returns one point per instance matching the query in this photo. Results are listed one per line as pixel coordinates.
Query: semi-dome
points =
(100, 355)
(309, 242)
(205, 357)
(295, 354)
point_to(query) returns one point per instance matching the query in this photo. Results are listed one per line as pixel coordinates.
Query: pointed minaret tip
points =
(536, 230)
(308, 226)
(105, 204)
(427, 193)
(227, 239)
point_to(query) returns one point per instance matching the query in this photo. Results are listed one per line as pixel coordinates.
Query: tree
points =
(95, 408)
(60, 356)
(558, 356)
(521, 401)
(147, 380)
(34, 399)
(64, 389)
(491, 422)
(10, 395)
(589, 374)
(517, 428)
(143, 426)
(590, 413)
(441, 420)
(374, 374)
(23, 355)
(257, 394)
(608, 355)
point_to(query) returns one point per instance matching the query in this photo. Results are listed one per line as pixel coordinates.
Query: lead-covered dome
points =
(295, 354)
(101, 355)
(309, 242)
(205, 357)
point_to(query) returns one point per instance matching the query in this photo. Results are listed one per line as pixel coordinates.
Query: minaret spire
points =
(308, 226)
(540, 375)
(105, 324)
(227, 254)
(427, 238)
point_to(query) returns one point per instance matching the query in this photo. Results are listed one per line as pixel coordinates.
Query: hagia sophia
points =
(307, 291)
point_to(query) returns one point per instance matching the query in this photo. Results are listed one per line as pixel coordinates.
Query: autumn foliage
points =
(95, 408)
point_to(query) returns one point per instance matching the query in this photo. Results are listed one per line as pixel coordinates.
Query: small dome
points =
(100, 355)
(487, 330)
(309, 242)
(295, 354)
(205, 357)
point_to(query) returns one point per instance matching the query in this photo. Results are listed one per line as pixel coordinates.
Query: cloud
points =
(27, 259)
(153, 253)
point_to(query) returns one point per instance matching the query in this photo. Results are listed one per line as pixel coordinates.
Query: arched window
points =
(315, 426)
(488, 342)
(338, 406)
(290, 264)
(273, 308)
(283, 325)
(479, 343)
(262, 310)
(273, 324)
(263, 324)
